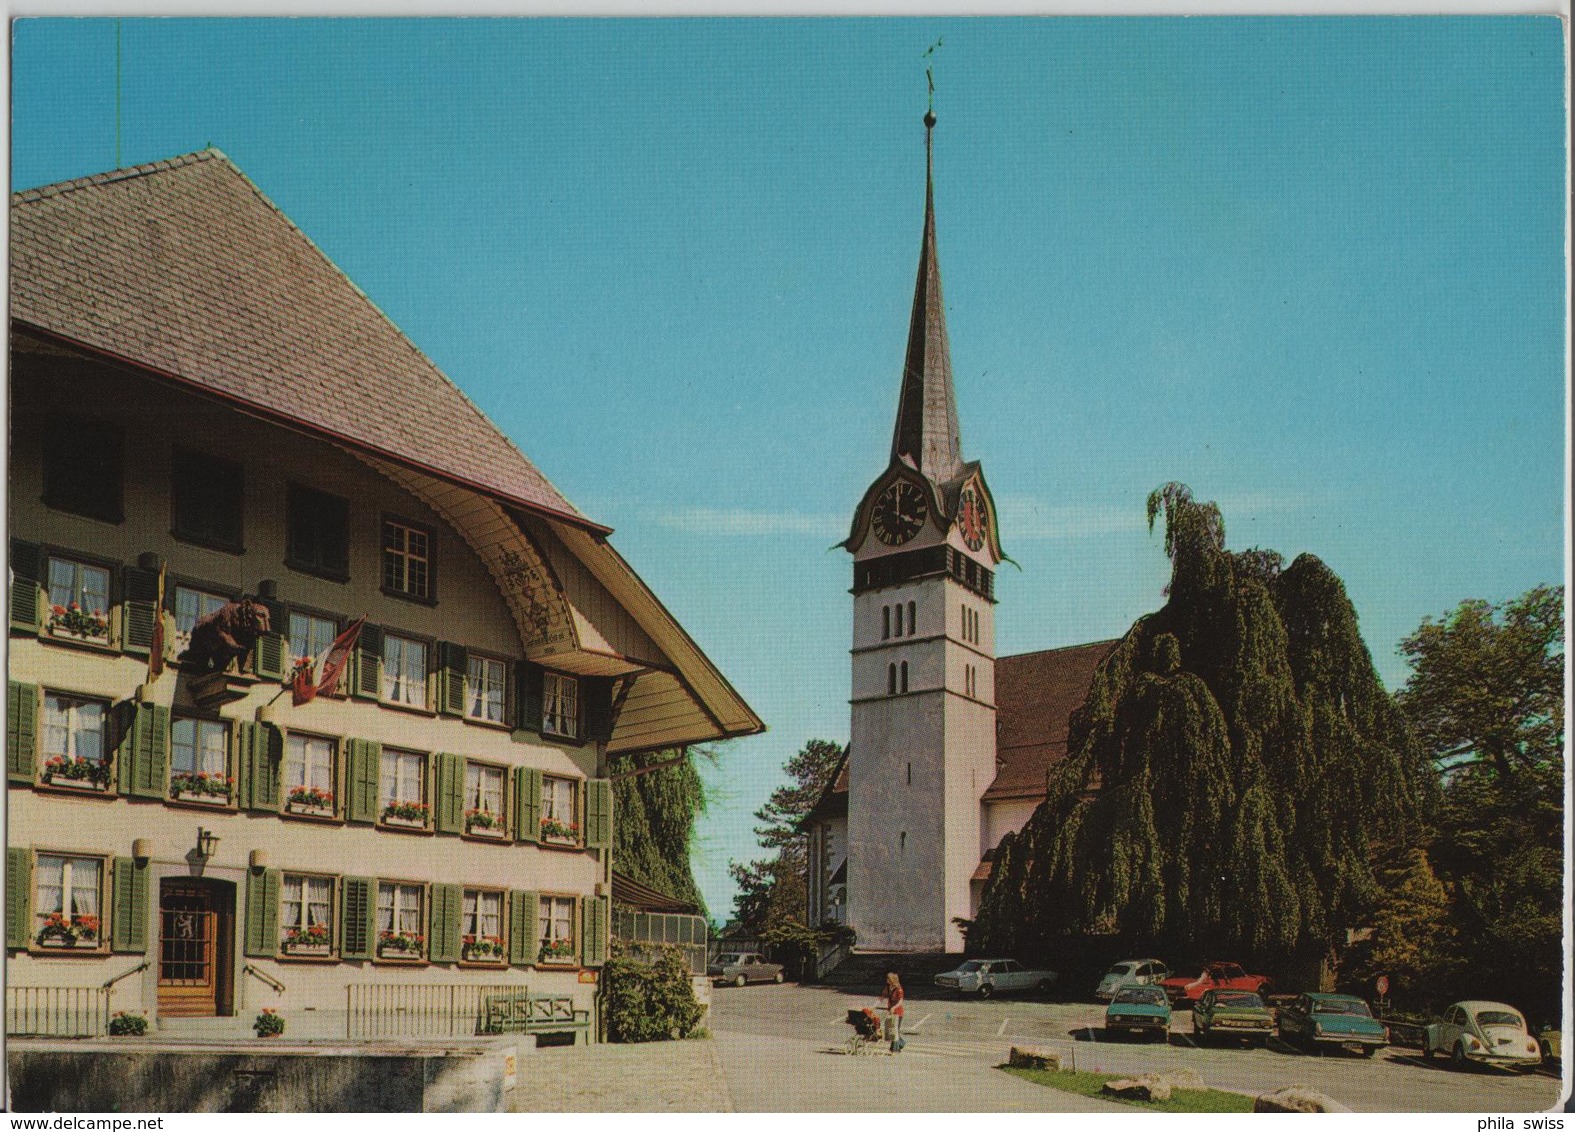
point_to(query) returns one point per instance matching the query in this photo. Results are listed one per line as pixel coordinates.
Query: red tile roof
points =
(184, 267)
(1035, 695)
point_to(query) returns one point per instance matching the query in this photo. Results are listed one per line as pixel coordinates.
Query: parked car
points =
(740, 967)
(986, 977)
(1485, 1033)
(1235, 1014)
(1339, 1020)
(1139, 1009)
(1188, 984)
(1552, 1042)
(1141, 972)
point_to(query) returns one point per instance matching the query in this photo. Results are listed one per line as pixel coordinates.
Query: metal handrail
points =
(143, 966)
(265, 977)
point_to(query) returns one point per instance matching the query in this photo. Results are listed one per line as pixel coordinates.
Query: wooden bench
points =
(519, 1013)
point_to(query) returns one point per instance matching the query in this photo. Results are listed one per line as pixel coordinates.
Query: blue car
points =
(1339, 1021)
(1139, 1010)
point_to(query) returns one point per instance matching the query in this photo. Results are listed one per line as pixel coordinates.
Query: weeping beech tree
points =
(1233, 779)
(656, 815)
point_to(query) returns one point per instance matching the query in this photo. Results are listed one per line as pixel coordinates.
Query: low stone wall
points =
(136, 1075)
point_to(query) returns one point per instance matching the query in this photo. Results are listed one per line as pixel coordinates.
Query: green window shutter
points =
(593, 936)
(271, 657)
(527, 803)
(27, 595)
(368, 681)
(355, 918)
(128, 930)
(145, 754)
(21, 731)
(18, 895)
(598, 813)
(243, 741)
(453, 667)
(366, 761)
(524, 915)
(443, 935)
(449, 812)
(140, 595)
(262, 754)
(262, 912)
(527, 698)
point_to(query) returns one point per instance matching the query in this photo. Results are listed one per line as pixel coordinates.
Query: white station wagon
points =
(985, 977)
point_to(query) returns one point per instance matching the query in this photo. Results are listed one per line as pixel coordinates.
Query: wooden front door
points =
(195, 939)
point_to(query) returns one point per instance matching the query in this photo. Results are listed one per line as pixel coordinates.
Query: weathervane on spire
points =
(929, 78)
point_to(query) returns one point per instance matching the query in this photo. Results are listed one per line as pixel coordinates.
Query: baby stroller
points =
(866, 1031)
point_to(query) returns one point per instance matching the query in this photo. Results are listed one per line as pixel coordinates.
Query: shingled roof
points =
(1035, 695)
(183, 267)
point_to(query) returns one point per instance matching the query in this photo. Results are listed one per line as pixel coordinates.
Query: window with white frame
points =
(404, 671)
(309, 774)
(407, 559)
(400, 926)
(78, 599)
(484, 799)
(191, 606)
(66, 897)
(560, 704)
(75, 750)
(558, 821)
(200, 760)
(403, 787)
(306, 909)
(484, 689)
(310, 636)
(555, 926)
(481, 926)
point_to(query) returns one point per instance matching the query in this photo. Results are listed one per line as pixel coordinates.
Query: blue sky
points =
(1313, 268)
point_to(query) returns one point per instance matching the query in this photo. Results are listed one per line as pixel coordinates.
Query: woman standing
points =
(892, 996)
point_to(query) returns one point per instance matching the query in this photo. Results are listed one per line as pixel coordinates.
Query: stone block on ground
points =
(1297, 1098)
(1022, 1057)
(1146, 1087)
(1184, 1078)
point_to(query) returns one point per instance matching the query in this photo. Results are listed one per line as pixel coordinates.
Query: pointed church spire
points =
(926, 429)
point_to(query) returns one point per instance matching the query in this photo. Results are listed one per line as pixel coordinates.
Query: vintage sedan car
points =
(1340, 1021)
(1232, 1014)
(1141, 972)
(1188, 984)
(1137, 1009)
(986, 977)
(1483, 1033)
(740, 967)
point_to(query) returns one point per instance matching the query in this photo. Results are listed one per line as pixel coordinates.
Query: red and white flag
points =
(303, 689)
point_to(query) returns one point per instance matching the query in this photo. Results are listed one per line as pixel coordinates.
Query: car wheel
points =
(1458, 1058)
(777, 978)
(1045, 985)
(739, 981)
(986, 990)
(1369, 1051)
(1427, 1051)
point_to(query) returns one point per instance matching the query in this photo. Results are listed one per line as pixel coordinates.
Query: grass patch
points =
(1089, 1085)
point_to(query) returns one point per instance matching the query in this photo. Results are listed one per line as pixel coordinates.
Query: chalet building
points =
(204, 410)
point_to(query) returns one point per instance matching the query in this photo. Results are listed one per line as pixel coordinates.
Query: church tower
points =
(922, 748)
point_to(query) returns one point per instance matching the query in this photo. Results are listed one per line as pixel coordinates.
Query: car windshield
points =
(1237, 999)
(1151, 995)
(1498, 1018)
(727, 960)
(1342, 1006)
(970, 967)
(1229, 971)
(1122, 969)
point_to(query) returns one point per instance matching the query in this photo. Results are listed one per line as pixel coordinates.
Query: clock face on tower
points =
(972, 518)
(899, 513)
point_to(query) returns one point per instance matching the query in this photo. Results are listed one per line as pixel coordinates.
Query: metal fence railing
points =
(687, 933)
(420, 1010)
(56, 1012)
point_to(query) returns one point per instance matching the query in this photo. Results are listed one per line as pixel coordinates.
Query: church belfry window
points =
(885, 622)
(902, 679)
(913, 620)
(891, 679)
(899, 619)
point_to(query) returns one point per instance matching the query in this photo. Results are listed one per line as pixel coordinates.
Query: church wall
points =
(970, 758)
(1007, 816)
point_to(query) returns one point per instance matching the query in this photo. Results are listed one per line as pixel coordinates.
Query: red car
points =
(1188, 983)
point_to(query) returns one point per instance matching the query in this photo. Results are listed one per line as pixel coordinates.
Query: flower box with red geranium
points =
(72, 620)
(311, 801)
(409, 815)
(559, 951)
(482, 949)
(400, 945)
(484, 823)
(201, 786)
(60, 930)
(75, 773)
(560, 832)
(314, 939)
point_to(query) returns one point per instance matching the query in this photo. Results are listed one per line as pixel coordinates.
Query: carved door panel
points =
(193, 947)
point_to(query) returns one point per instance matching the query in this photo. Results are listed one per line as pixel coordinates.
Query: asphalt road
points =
(781, 1050)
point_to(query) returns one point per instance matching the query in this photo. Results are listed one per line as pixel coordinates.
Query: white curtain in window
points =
(84, 887)
(319, 900)
(290, 904)
(48, 877)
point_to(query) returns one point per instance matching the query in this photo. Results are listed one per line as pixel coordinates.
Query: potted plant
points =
(412, 815)
(482, 949)
(313, 939)
(400, 945)
(268, 1024)
(484, 823)
(78, 622)
(60, 930)
(76, 773)
(557, 951)
(311, 801)
(200, 786)
(560, 832)
(127, 1024)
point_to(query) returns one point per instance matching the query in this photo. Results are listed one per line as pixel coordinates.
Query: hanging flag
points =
(338, 656)
(156, 648)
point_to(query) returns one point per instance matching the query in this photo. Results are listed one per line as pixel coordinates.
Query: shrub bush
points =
(649, 1002)
(123, 1024)
(268, 1023)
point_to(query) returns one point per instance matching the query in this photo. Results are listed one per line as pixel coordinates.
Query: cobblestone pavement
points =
(649, 1077)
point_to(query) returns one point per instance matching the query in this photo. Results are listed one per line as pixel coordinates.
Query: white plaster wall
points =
(1001, 818)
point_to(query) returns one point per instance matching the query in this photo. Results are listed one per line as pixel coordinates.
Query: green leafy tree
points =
(1414, 942)
(655, 822)
(1230, 777)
